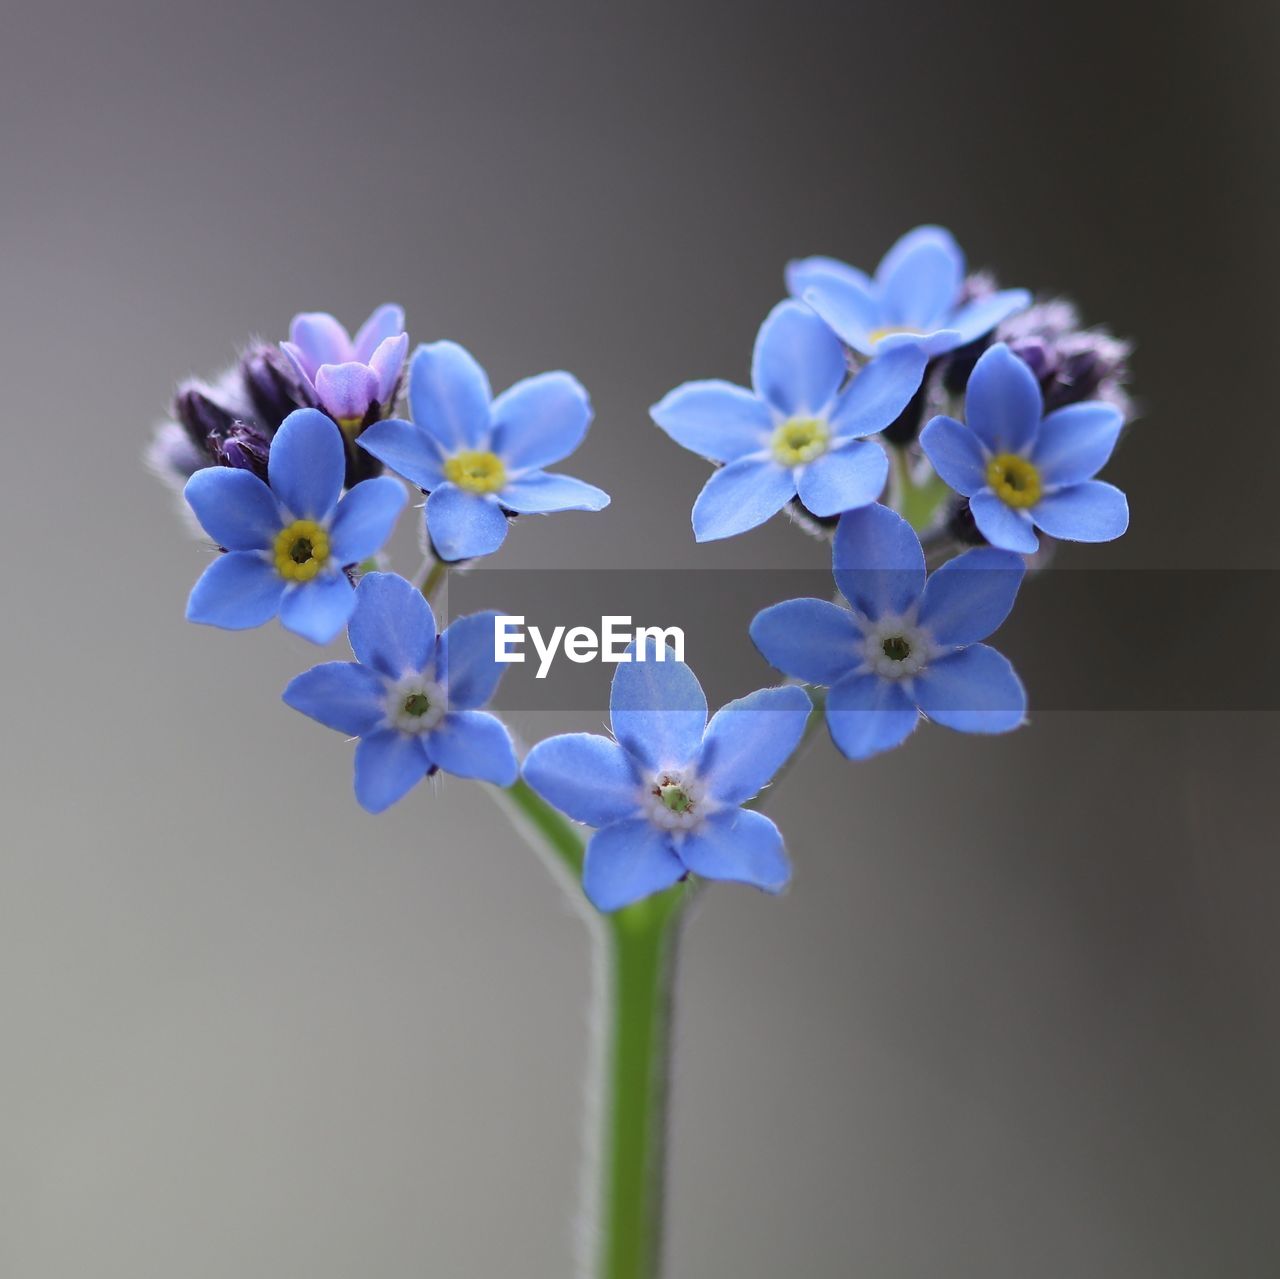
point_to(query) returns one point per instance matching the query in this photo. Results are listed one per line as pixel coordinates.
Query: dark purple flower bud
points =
(201, 416)
(274, 385)
(243, 447)
(961, 525)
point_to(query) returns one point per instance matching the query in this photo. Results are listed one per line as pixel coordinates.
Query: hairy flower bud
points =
(273, 385)
(244, 447)
(201, 416)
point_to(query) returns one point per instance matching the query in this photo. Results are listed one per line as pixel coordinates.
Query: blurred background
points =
(1020, 1014)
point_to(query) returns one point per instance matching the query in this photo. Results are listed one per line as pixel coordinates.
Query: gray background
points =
(1018, 1015)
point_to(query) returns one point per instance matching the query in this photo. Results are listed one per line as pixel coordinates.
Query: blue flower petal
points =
(970, 596)
(464, 525)
(317, 610)
(393, 628)
(848, 307)
(973, 691)
(364, 519)
(346, 390)
(657, 708)
(741, 496)
(627, 861)
(982, 315)
(1089, 512)
(844, 479)
(803, 274)
(1002, 402)
(540, 420)
(956, 454)
(465, 663)
(540, 492)
(877, 561)
(749, 739)
(587, 777)
(320, 339)
(344, 696)
(879, 392)
(798, 364)
(407, 449)
(449, 396)
(237, 591)
(389, 764)
(1003, 526)
(307, 464)
(919, 279)
(867, 715)
(716, 419)
(1075, 442)
(234, 507)
(475, 745)
(386, 322)
(740, 846)
(813, 640)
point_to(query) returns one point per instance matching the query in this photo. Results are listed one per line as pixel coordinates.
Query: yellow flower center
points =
(476, 472)
(893, 330)
(302, 550)
(800, 439)
(1015, 480)
(350, 426)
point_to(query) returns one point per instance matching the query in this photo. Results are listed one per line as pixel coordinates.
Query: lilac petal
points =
(749, 739)
(307, 464)
(389, 764)
(657, 708)
(1075, 442)
(627, 861)
(406, 449)
(1002, 402)
(956, 454)
(540, 492)
(475, 745)
(741, 496)
(740, 846)
(798, 364)
(540, 420)
(1089, 512)
(234, 507)
(849, 308)
(465, 662)
(1002, 525)
(346, 390)
(449, 396)
(317, 338)
(879, 393)
(716, 419)
(867, 715)
(385, 322)
(464, 525)
(237, 591)
(344, 696)
(844, 479)
(877, 561)
(974, 690)
(301, 363)
(813, 640)
(365, 518)
(587, 777)
(970, 596)
(804, 273)
(393, 628)
(982, 315)
(387, 362)
(317, 610)
(919, 279)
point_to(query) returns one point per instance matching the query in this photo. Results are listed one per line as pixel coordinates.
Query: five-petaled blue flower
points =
(1022, 471)
(411, 699)
(478, 457)
(666, 795)
(350, 376)
(289, 542)
(797, 432)
(908, 645)
(916, 297)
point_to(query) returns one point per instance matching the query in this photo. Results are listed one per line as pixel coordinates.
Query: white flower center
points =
(415, 704)
(896, 648)
(675, 800)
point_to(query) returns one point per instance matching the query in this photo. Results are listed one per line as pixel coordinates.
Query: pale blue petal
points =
(464, 525)
(867, 714)
(344, 696)
(1075, 442)
(346, 390)
(847, 307)
(740, 846)
(844, 479)
(741, 496)
(716, 419)
(475, 745)
(803, 274)
(657, 708)
(386, 322)
(1002, 525)
(879, 392)
(389, 764)
(465, 662)
(237, 591)
(973, 691)
(587, 777)
(406, 449)
(319, 339)
(956, 454)
(307, 464)
(919, 279)
(365, 518)
(540, 420)
(540, 492)
(970, 596)
(627, 861)
(1089, 512)
(1002, 402)
(982, 315)
(387, 362)
(393, 628)
(449, 396)
(749, 739)
(234, 507)
(813, 640)
(317, 610)
(877, 561)
(798, 364)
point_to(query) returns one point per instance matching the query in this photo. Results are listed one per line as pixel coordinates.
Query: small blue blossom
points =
(479, 457)
(288, 542)
(1022, 471)
(915, 299)
(352, 378)
(797, 432)
(412, 700)
(906, 645)
(666, 794)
